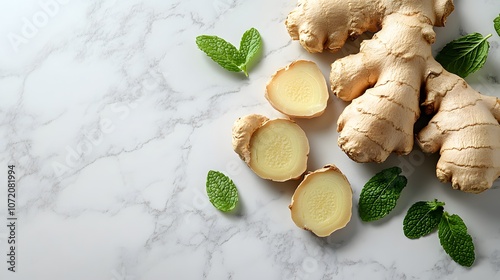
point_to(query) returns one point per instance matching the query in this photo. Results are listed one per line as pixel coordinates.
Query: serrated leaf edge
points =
(246, 59)
(434, 206)
(445, 218)
(230, 181)
(476, 46)
(398, 172)
(496, 24)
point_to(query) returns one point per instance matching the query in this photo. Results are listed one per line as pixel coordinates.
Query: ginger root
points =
(465, 130)
(322, 203)
(298, 90)
(274, 149)
(384, 81)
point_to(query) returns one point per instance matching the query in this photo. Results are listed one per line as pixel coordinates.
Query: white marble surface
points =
(113, 118)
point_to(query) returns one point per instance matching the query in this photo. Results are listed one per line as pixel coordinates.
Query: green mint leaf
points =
(455, 240)
(250, 45)
(380, 194)
(465, 55)
(221, 191)
(220, 51)
(496, 22)
(227, 55)
(422, 218)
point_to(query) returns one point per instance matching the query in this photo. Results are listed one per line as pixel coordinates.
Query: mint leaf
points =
(496, 22)
(380, 194)
(227, 55)
(250, 45)
(422, 218)
(455, 240)
(465, 55)
(220, 51)
(221, 191)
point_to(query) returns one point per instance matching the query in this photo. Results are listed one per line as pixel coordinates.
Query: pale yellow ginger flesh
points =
(384, 82)
(274, 149)
(322, 203)
(298, 90)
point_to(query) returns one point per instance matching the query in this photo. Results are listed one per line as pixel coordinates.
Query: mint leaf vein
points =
(227, 55)
(465, 55)
(422, 218)
(380, 194)
(455, 240)
(221, 191)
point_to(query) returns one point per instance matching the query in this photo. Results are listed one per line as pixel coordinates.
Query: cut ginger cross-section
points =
(322, 203)
(298, 90)
(274, 149)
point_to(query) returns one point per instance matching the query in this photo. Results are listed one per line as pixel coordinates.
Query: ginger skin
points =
(243, 130)
(384, 81)
(465, 130)
(385, 102)
(326, 24)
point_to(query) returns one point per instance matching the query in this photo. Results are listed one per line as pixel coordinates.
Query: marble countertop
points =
(113, 117)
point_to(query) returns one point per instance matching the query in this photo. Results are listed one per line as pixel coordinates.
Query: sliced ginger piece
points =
(243, 130)
(298, 90)
(279, 150)
(322, 203)
(274, 149)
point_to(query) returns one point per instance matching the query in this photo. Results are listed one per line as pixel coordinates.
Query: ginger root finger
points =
(464, 129)
(322, 203)
(376, 124)
(494, 104)
(468, 177)
(380, 120)
(429, 138)
(274, 149)
(326, 24)
(351, 76)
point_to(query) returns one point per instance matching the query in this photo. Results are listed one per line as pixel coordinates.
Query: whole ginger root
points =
(384, 81)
